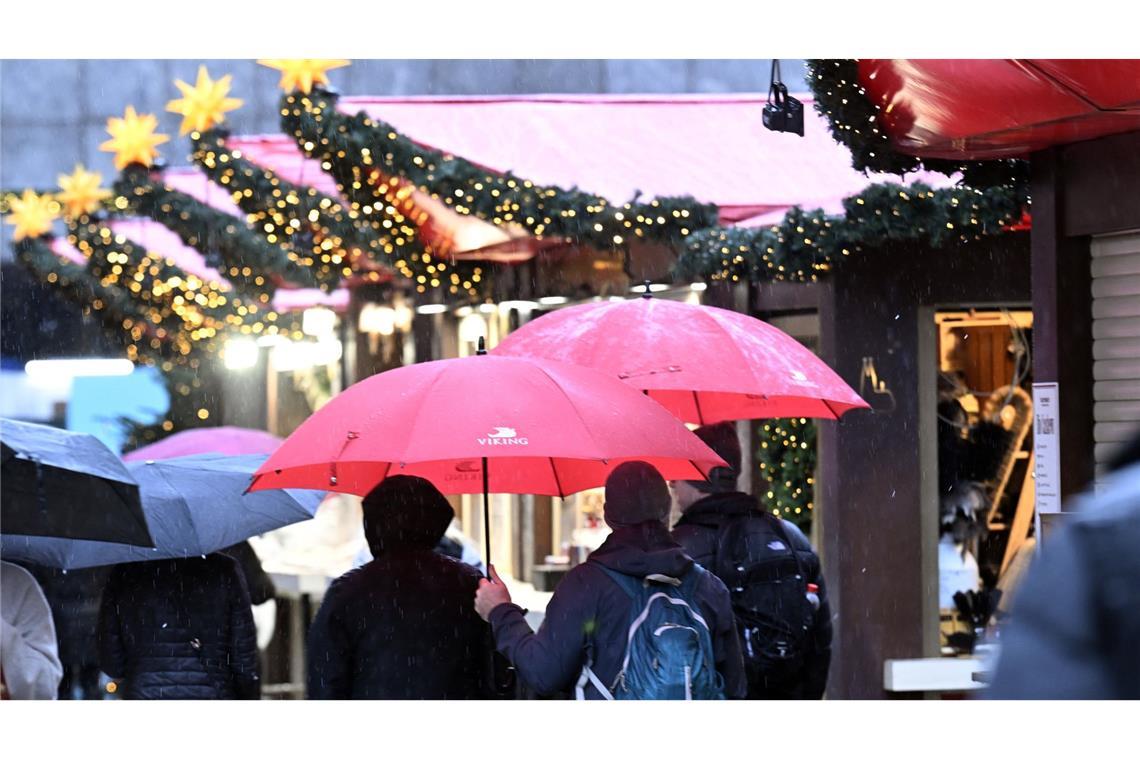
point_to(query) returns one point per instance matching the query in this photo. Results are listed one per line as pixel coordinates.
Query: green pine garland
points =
(787, 458)
(351, 148)
(116, 309)
(854, 122)
(114, 305)
(806, 244)
(246, 259)
(282, 210)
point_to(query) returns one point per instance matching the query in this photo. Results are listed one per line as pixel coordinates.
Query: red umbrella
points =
(550, 428)
(702, 363)
(233, 441)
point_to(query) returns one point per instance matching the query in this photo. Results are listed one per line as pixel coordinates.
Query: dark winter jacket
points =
(403, 626)
(698, 530)
(589, 608)
(74, 597)
(257, 581)
(179, 629)
(1074, 628)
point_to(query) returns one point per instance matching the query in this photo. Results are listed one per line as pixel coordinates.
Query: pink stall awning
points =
(463, 237)
(160, 240)
(713, 147)
(157, 238)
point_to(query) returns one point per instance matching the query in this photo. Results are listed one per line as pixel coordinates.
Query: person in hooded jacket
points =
(179, 629)
(708, 507)
(74, 597)
(590, 610)
(1074, 628)
(401, 626)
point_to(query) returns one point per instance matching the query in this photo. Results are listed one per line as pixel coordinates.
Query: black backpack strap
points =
(726, 535)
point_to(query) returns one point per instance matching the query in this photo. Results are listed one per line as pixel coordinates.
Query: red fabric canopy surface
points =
(702, 363)
(1000, 108)
(544, 427)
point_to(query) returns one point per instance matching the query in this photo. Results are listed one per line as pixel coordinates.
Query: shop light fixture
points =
(377, 320)
(431, 308)
(294, 355)
(404, 315)
(553, 300)
(66, 369)
(654, 287)
(240, 353)
(471, 328)
(273, 339)
(699, 286)
(519, 305)
(488, 308)
(318, 321)
(463, 311)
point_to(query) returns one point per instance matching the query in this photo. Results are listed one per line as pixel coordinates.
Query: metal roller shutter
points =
(1116, 341)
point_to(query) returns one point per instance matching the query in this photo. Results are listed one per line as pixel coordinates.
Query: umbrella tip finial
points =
(482, 349)
(647, 294)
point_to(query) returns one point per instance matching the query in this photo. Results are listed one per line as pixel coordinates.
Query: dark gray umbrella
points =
(194, 506)
(63, 484)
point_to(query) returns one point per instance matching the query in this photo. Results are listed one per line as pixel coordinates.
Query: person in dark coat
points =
(1074, 627)
(401, 626)
(589, 609)
(257, 581)
(179, 629)
(706, 508)
(74, 596)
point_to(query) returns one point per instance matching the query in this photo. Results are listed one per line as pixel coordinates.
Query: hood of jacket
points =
(641, 550)
(712, 510)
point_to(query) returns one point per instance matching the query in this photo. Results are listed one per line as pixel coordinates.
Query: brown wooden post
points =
(1062, 318)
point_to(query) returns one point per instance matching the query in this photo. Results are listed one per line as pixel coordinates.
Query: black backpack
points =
(768, 585)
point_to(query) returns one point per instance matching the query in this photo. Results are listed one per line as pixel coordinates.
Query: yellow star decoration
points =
(204, 105)
(133, 139)
(80, 192)
(302, 73)
(32, 215)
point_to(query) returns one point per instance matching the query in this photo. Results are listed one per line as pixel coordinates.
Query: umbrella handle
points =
(486, 519)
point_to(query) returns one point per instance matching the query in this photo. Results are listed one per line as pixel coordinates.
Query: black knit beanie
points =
(636, 493)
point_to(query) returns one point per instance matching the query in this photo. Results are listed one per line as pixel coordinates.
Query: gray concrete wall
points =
(53, 112)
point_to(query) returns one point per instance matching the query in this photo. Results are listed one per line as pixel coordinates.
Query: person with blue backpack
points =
(638, 620)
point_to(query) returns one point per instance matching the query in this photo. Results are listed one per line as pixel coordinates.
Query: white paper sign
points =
(1047, 446)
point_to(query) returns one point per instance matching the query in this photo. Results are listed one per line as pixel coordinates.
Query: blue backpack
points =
(669, 653)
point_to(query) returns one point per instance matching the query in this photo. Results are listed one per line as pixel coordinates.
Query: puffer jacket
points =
(698, 531)
(179, 629)
(74, 597)
(589, 608)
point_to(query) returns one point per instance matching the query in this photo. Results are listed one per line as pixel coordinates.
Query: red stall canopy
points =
(1001, 108)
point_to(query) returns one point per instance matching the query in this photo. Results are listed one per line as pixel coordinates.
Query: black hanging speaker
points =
(782, 113)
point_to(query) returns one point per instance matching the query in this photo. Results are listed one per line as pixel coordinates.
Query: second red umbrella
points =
(702, 363)
(484, 424)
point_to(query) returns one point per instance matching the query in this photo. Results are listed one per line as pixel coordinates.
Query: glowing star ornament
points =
(80, 192)
(133, 140)
(204, 105)
(32, 215)
(302, 73)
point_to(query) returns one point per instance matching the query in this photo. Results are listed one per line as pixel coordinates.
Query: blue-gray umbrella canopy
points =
(63, 484)
(194, 505)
